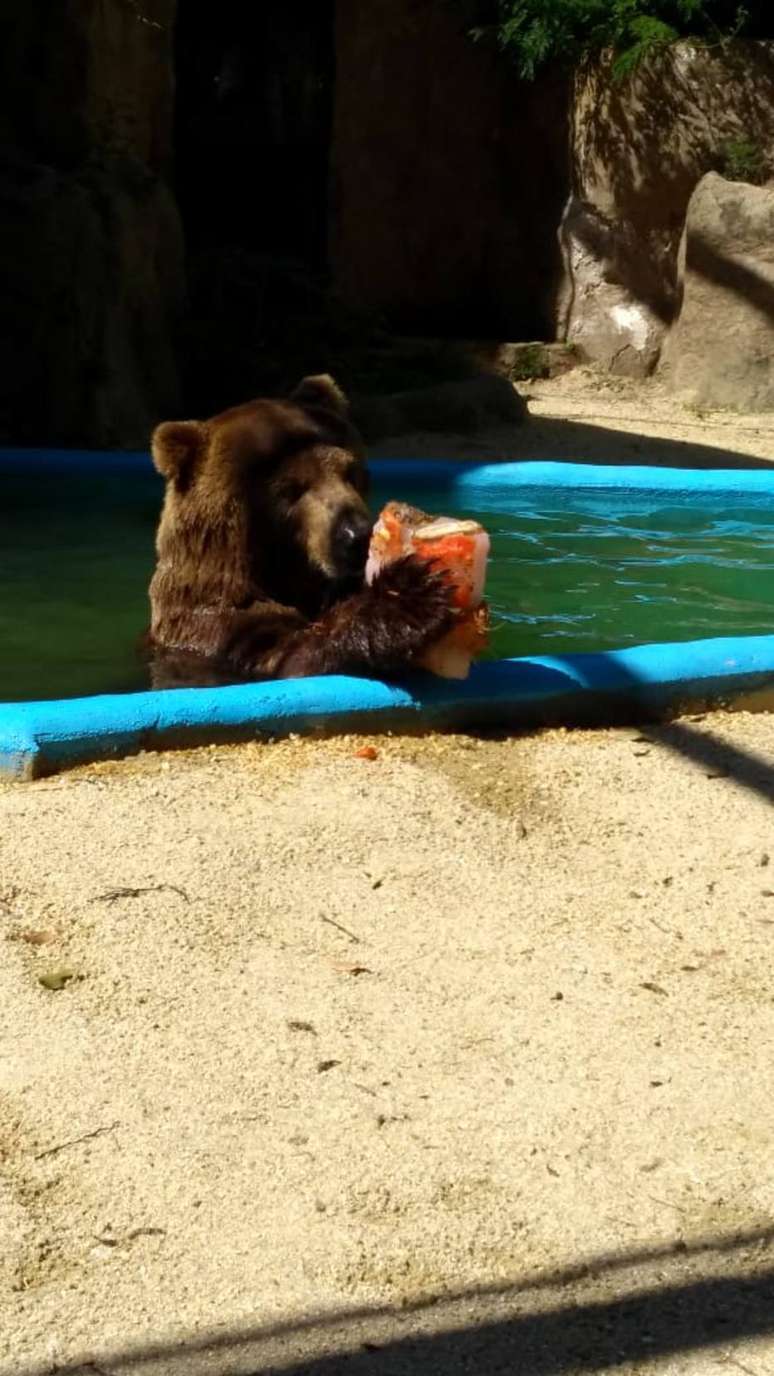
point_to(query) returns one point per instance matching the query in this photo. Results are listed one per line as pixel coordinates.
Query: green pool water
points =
(569, 572)
(600, 571)
(77, 556)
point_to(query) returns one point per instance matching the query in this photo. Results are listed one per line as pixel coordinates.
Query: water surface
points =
(574, 571)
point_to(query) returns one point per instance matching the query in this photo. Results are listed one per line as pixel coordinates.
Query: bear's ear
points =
(175, 446)
(322, 391)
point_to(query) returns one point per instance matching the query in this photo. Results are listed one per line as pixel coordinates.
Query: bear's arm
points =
(379, 631)
(245, 638)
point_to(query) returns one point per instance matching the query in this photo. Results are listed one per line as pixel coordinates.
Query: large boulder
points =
(640, 145)
(91, 251)
(720, 351)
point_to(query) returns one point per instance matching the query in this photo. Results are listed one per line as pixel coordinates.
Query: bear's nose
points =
(350, 541)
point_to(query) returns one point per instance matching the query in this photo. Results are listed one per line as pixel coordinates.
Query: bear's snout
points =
(350, 539)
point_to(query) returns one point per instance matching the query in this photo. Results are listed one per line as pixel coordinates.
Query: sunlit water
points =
(569, 572)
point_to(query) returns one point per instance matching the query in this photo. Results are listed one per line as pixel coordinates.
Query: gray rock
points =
(604, 317)
(639, 148)
(720, 351)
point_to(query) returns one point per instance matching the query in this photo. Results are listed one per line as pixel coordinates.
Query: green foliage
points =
(531, 362)
(536, 32)
(741, 160)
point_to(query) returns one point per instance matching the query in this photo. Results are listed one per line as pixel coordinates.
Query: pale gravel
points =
(560, 1045)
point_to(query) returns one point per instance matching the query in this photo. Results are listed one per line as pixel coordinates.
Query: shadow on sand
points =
(613, 1310)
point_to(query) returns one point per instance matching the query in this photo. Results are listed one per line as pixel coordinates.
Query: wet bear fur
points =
(261, 551)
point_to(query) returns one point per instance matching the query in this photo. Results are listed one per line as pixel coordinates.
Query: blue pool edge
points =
(38, 738)
(470, 478)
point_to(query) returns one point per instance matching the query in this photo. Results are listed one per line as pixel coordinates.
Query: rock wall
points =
(91, 252)
(463, 202)
(448, 176)
(639, 148)
(454, 183)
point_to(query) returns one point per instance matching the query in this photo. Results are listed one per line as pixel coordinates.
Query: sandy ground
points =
(455, 1060)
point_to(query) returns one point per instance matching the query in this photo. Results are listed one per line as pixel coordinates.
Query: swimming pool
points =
(629, 588)
(573, 568)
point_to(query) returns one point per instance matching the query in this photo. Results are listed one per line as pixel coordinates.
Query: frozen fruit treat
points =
(461, 549)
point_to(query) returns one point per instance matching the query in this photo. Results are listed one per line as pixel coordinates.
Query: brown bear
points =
(262, 545)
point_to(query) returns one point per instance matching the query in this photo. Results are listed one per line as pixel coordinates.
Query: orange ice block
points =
(461, 549)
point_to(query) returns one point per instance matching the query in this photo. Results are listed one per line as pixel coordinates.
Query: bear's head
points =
(268, 496)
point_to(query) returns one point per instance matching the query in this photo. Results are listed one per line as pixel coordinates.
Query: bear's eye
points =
(293, 491)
